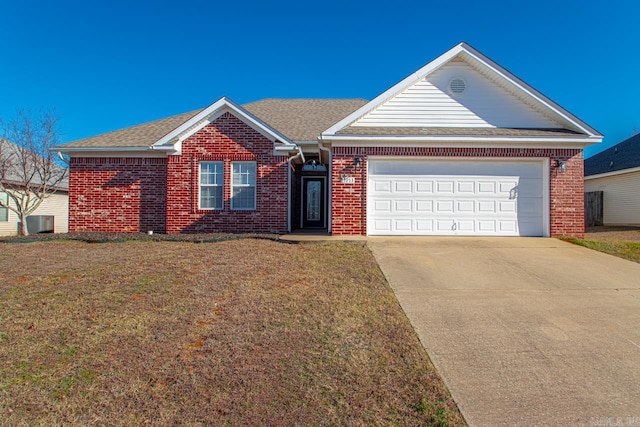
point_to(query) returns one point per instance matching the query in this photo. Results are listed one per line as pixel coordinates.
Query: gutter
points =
(465, 139)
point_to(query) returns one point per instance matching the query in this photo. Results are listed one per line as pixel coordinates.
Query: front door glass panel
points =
(314, 201)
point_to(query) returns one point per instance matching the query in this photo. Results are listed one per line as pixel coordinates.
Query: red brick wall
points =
(566, 196)
(117, 194)
(227, 139)
(348, 210)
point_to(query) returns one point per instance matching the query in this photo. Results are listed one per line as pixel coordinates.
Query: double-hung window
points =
(211, 185)
(243, 185)
(4, 212)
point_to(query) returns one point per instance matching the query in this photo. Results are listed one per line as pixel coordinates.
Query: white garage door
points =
(461, 197)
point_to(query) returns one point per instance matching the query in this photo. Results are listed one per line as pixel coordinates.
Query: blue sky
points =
(108, 65)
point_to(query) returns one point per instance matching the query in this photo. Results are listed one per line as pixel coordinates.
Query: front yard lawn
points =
(623, 242)
(241, 332)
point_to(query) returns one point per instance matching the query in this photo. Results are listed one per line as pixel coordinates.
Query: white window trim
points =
(200, 185)
(255, 187)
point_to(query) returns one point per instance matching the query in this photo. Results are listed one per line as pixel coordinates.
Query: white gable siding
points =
(621, 197)
(56, 205)
(429, 104)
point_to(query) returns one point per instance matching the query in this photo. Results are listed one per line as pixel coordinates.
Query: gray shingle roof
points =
(297, 119)
(303, 119)
(143, 135)
(440, 131)
(624, 155)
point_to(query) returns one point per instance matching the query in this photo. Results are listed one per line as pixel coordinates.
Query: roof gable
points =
(424, 100)
(429, 103)
(622, 156)
(171, 142)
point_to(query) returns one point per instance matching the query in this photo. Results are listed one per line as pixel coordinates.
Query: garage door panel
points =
(382, 186)
(445, 226)
(467, 198)
(466, 187)
(424, 186)
(424, 226)
(403, 206)
(444, 206)
(424, 206)
(465, 206)
(402, 225)
(508, 188)
(506, 207)
(381, 226)
(486, 206)
(486, 226)
(382, 206)
(487, 188)
(444, 187)
(403, 186)
(466, 226)
(507, 226)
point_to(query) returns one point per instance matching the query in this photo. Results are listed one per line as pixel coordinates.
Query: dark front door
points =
(313, 202)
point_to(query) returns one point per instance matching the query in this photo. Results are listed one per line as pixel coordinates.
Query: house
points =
(55, 207)
(616, 172)
(460, 147)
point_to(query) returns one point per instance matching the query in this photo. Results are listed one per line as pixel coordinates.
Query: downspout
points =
(289, 193)
(329, 182)
(297, 156)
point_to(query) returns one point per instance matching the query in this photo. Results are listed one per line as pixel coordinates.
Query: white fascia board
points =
(479, 142)
(530, 91)
(383, 140)
(214, 111)
(110, 152)
(614, 173)
(395, 89)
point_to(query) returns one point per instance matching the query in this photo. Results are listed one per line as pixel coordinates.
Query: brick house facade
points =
(501, 159)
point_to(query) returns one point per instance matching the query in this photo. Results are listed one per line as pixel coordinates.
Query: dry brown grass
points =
(243, 332)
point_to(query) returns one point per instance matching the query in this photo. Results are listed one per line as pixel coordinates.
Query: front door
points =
(314, 202)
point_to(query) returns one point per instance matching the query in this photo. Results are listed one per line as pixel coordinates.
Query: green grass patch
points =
(619, 248)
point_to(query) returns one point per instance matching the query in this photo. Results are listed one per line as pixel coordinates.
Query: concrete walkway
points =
(524, 331)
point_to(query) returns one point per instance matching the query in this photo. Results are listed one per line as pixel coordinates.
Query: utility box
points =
(40, 224)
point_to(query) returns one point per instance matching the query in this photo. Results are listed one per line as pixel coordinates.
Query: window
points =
(4, 212)
(211, 185)
(243, 185)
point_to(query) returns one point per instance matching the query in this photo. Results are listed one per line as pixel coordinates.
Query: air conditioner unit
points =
(40, 224)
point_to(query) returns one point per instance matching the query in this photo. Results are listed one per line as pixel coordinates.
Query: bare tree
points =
(28, 170)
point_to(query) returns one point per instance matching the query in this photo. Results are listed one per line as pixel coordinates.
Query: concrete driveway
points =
(524, 331)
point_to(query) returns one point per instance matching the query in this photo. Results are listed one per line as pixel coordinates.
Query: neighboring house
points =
(56, 205)
(460, 147)
(616, 172)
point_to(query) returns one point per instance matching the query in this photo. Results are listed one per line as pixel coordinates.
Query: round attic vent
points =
(457, 86)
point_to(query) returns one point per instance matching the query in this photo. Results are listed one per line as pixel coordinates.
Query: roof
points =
(625, 155)
(297, 119)
(485, 66)
(143, 135)
(303, 119)
(440, 131)
(11, 178)
(171, 141)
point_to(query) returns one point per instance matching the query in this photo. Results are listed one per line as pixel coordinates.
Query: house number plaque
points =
(348, 179)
